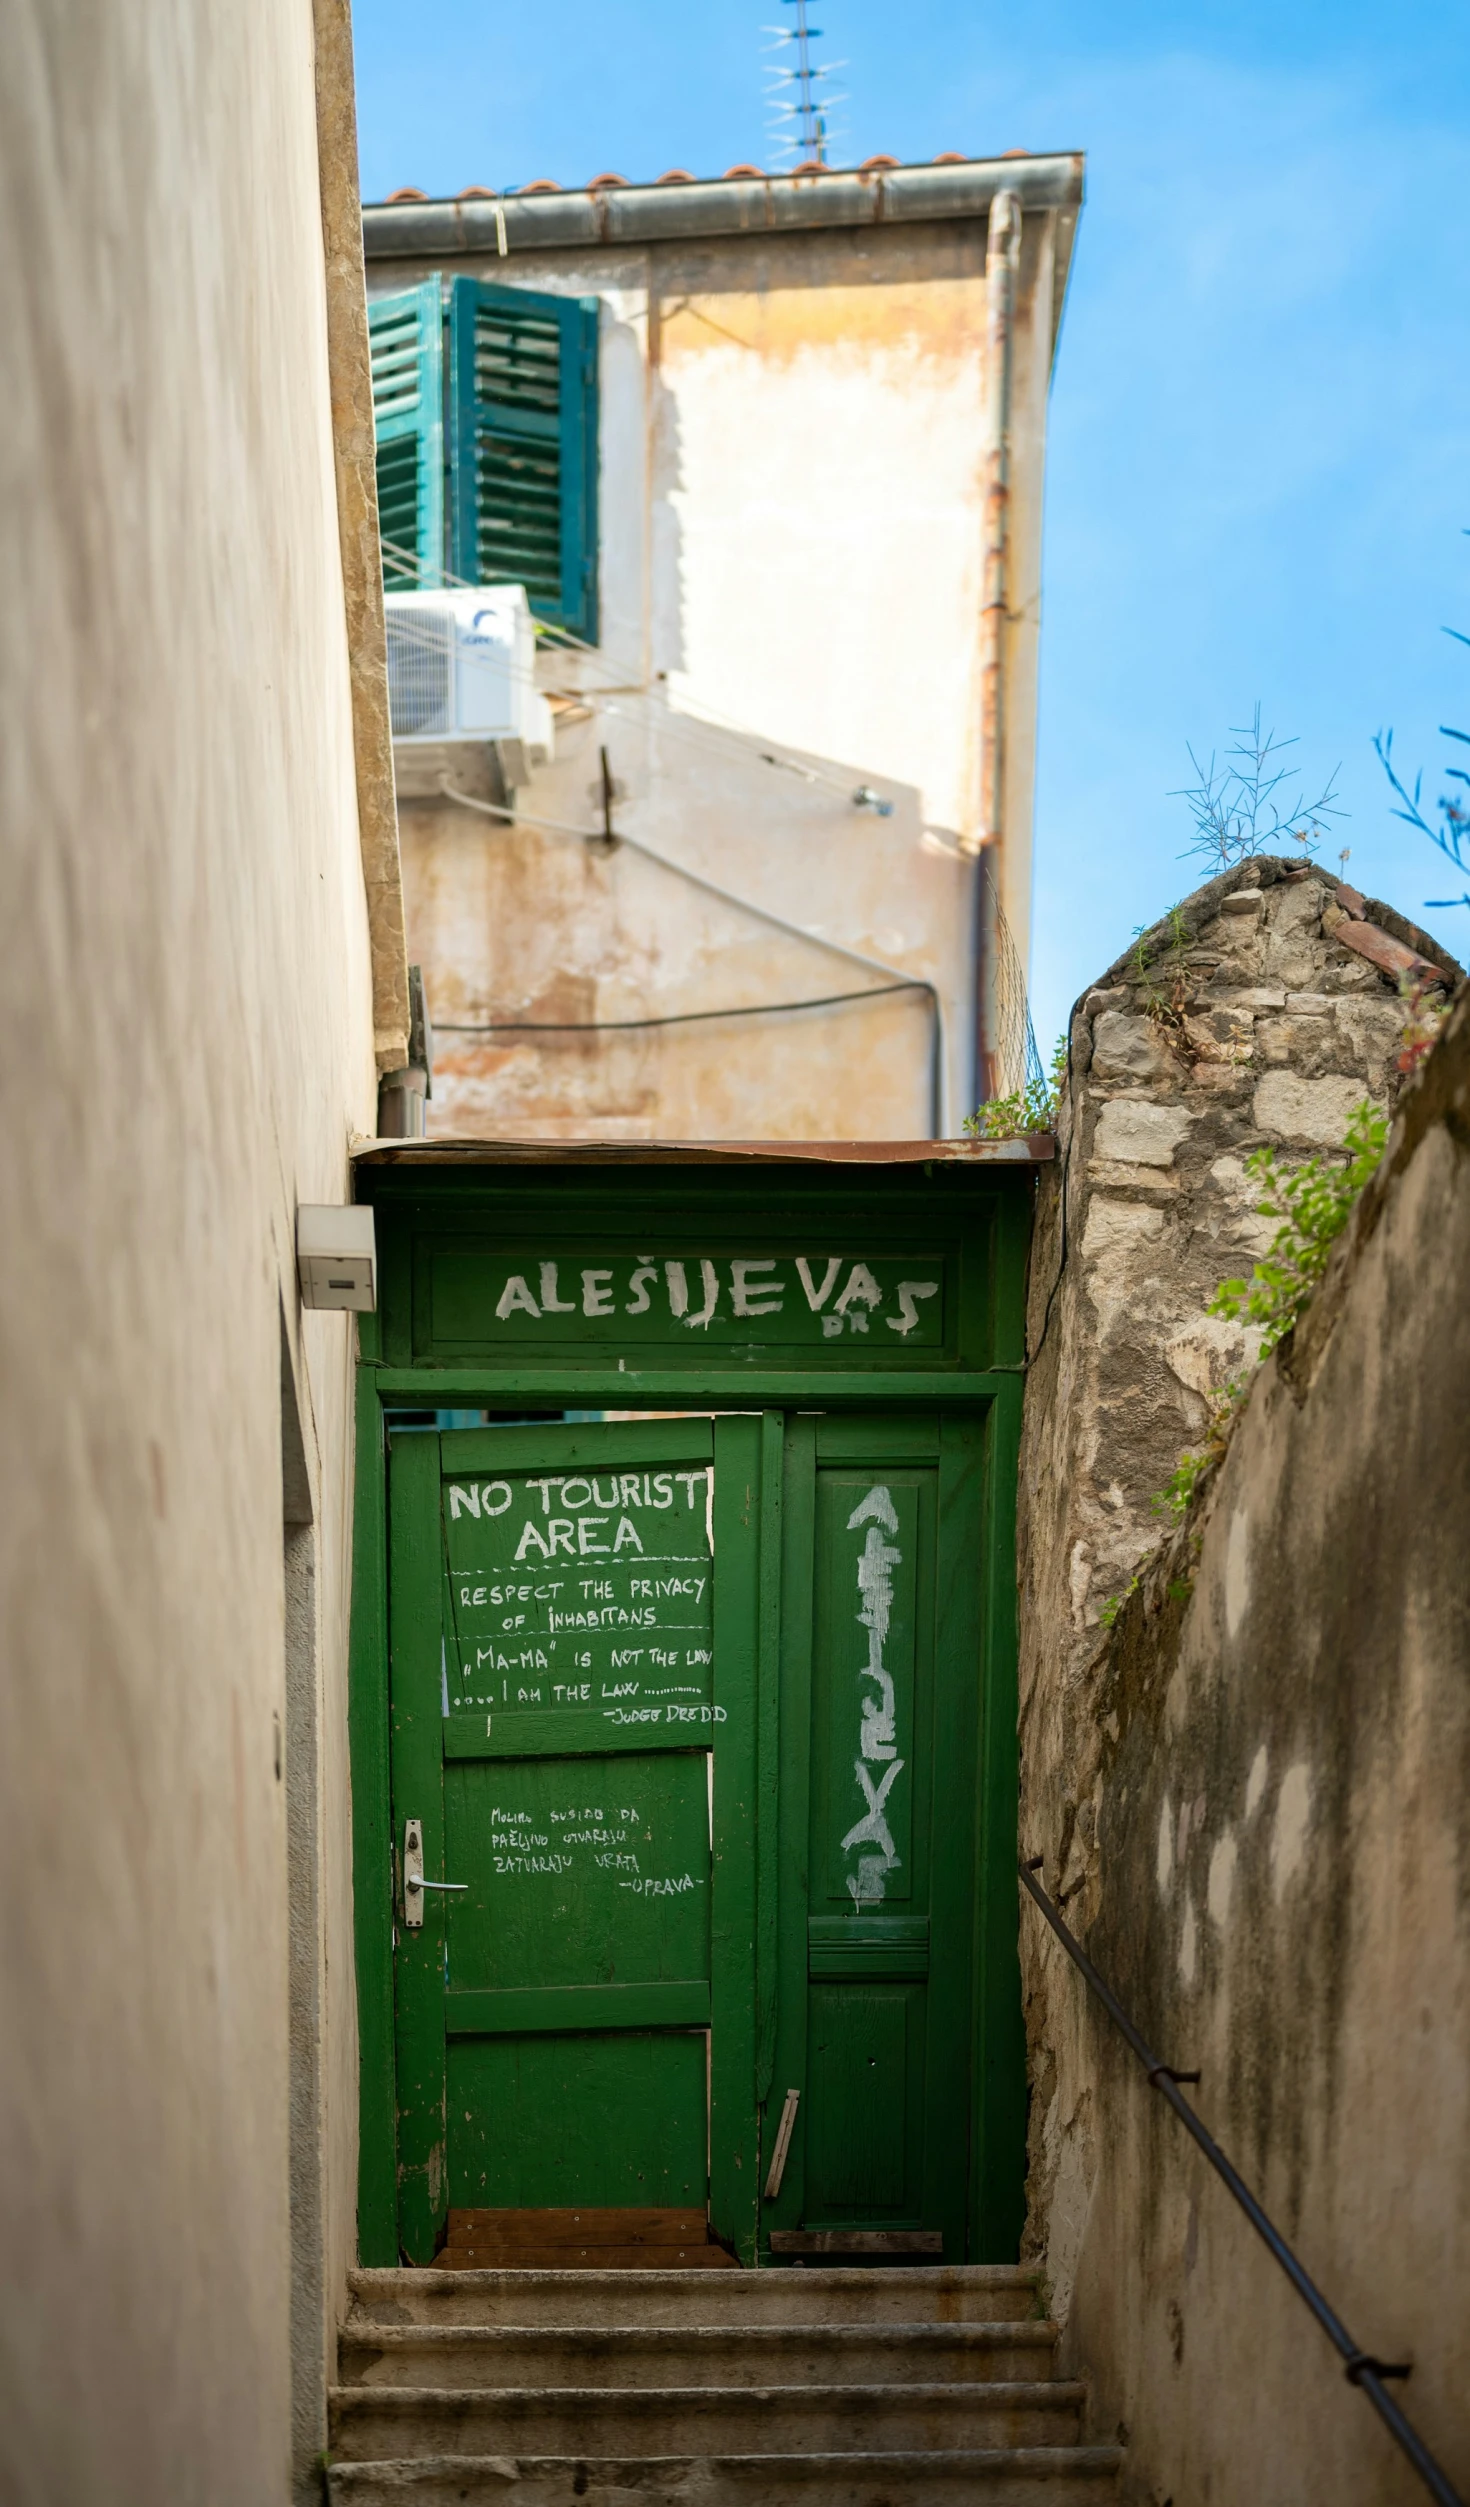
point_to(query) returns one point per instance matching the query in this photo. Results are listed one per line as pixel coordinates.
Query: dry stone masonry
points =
(1259, 1014)
(1250, 1791)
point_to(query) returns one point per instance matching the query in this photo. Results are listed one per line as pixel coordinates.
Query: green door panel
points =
(580, 1592)
(872, 1691)
(582, 1872)
(866, 2089)
(515, 2010)
(552, 2121)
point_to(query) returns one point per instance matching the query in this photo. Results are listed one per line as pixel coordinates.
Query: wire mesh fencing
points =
(1011, 1059)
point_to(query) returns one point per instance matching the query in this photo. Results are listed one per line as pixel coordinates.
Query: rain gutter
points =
(504, 224)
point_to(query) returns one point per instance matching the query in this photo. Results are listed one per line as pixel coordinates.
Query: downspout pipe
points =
(1002, 259)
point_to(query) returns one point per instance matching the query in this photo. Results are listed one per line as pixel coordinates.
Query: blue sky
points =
(1260, 439)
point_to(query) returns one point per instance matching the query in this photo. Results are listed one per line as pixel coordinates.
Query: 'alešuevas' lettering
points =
(805, 1296)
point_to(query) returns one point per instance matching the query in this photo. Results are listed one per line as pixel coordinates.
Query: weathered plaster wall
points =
(1252, 1800)
(793, 439)
(514, 924)
(190, 1040)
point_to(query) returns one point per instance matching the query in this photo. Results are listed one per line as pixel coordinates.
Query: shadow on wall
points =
(665, 530)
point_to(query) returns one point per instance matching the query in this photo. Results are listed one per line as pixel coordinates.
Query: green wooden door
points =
(823, 1816)
(698, 1740)
(882, 1675)
(554, 1716)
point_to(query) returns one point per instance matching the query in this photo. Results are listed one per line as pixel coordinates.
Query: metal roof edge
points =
(630, 213)
(1031, 1149)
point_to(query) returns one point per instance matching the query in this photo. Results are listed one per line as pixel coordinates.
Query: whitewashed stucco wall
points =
(190, 1046)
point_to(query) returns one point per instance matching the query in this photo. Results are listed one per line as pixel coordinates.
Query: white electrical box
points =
(337, 1257)
(462, 666)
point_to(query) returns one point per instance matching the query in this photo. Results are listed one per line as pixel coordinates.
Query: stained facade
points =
(780, 631)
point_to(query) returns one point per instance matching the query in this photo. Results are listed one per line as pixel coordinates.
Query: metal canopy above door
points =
(684, 1738)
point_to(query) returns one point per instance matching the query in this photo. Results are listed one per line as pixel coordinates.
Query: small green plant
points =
(1148, 969)
(1314, 1202)
(1033, 1108)
(1164, 980)
(1177, 1495)
(1114, 1603)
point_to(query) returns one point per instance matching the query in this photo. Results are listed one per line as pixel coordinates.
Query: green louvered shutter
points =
(407, 335)
(523, 446)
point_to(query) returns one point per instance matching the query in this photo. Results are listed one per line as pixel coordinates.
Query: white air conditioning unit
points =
(462, 666)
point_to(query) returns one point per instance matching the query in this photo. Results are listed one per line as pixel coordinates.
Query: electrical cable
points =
(761, 913)
(672, 1018)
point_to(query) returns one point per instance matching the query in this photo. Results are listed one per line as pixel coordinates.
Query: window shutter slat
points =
(406, 332)
(523, 446)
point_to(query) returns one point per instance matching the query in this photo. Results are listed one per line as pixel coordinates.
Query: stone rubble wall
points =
(1242, 1022)
(1233, 1812)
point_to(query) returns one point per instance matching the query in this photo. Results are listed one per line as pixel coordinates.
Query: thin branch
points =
(1254, 800)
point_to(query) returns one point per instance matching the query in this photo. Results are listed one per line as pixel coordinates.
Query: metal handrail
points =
(1361, 2368)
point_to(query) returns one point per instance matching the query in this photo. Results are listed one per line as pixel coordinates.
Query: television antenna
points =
(798, 100)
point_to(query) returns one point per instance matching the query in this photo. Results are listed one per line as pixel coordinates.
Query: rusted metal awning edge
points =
(1032, 1149)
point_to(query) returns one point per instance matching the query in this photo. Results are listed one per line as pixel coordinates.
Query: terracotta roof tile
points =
(680, 174)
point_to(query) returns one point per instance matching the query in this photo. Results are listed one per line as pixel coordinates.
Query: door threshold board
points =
(594, 2237)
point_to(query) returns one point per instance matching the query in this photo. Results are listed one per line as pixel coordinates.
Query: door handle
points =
(414, 1883)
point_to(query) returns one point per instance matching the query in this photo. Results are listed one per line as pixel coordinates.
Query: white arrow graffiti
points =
(877, 1739)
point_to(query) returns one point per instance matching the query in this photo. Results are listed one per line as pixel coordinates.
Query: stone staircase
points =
(699, 2389)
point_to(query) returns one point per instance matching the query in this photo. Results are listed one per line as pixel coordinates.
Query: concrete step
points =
(711, 2355)
(463, 2355)
(1053, 2476)
(373, 2422)
(950, 2293)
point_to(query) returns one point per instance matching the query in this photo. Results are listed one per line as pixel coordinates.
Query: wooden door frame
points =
(744, 1947)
